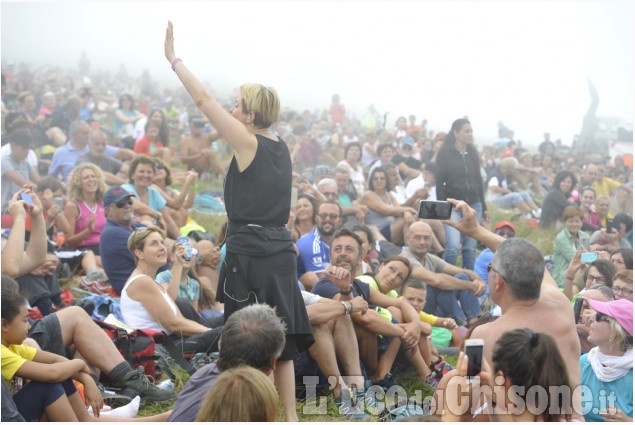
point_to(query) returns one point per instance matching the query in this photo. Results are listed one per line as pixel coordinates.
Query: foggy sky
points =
(520, 62)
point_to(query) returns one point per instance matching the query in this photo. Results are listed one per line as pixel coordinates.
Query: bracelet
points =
(194, 186)
(174, 62)
(347, 308)
(347, 292)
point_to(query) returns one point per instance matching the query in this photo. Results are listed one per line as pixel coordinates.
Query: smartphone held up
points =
(474, 353)
(435, 210)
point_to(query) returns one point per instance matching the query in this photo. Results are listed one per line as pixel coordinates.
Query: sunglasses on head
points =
(124, 202)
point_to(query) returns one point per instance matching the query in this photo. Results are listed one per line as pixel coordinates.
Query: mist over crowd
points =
(525, 65)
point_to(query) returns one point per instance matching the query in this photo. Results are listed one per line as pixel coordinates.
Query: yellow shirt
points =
(427, 318)
(605, 186)
(13, 357)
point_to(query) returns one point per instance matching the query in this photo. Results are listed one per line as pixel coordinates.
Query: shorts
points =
(35, 396)
(47, 332)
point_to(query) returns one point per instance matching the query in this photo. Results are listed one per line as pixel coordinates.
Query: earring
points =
(249, 116)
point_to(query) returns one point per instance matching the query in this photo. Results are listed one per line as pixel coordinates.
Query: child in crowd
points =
(51, 391)
(442, 331)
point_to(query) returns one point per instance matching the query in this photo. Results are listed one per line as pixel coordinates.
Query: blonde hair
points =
(75, 182)
(262, 101)
(572, 211)
(240, 394)
(137, 239)
(624, 275)
(509, 163)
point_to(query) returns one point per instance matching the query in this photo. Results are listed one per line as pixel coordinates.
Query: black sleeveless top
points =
(261, 194)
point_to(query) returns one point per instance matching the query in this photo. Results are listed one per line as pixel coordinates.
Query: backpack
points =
(137, 348)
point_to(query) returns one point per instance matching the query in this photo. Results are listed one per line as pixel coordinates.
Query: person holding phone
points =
(459, 177)
(568, 241)
(16, 171)
(257, 199)
(522, 358)
(525, 291)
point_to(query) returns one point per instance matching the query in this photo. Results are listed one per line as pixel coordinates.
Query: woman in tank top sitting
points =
(383, 209)
(145, 304)
(84, 212)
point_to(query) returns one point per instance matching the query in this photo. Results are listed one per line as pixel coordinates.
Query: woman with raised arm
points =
(260, 265)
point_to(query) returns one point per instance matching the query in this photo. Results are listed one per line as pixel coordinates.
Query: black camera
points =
(198, 123)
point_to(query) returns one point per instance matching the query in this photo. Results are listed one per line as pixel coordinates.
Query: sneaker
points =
(350, 409)
(386, 382)
(431, 381)
(368, 401)
(136, 381)
(440, 368)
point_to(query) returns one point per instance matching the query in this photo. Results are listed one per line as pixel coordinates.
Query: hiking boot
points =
(111, 398)
(136, 381)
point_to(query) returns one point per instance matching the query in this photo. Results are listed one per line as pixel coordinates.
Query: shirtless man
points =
(196, 149)
(526, 292)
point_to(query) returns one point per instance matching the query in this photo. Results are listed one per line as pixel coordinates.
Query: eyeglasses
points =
(406, 146)
(324, 216)
(600, 317)
(625, 291)
(123, 203)
(491, 268)
(509, 234)
(379, 178)
(330, 194)
(598, 279)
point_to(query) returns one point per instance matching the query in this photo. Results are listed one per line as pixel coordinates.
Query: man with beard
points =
(313, 248)
(340, 284)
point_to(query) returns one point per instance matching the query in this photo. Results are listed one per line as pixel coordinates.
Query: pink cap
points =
(620, 310)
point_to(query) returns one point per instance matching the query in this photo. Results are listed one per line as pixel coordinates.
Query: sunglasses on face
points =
(508, 233)
(599, 317)
(324, 216)
(123, 203)
(379, 178)
(330, 194)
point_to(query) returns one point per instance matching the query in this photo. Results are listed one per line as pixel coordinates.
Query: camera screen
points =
(435, 210)
(475, 359)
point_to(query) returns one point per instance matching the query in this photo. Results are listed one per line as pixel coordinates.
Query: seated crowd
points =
(87, 195)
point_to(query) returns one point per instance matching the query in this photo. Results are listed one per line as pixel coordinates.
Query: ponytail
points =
(528, 359)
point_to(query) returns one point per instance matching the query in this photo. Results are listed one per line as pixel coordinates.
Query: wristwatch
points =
(350, 289)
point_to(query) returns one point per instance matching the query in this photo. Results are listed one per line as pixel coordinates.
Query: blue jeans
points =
(511, 200)
(455, 239)
(460, 305)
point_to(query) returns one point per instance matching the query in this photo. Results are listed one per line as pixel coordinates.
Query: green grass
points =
(408, 381)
